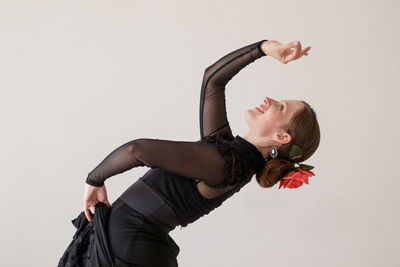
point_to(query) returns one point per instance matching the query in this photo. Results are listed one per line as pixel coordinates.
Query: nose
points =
(269, 100)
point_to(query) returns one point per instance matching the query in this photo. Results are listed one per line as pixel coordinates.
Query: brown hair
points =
(304, 130)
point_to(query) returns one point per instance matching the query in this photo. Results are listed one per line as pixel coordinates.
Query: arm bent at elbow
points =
(196, 160)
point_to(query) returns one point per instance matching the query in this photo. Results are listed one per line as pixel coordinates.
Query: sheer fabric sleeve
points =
(213, 117)
(197, 160)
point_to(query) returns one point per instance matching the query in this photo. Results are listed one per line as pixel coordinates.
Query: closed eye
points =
(283, 105)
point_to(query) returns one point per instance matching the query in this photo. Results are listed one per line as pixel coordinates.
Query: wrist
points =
(266, 47)
(94, 183)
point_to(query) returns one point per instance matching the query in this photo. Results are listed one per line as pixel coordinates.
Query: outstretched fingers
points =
(305, 51)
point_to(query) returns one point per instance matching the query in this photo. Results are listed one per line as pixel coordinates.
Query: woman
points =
(189, 179)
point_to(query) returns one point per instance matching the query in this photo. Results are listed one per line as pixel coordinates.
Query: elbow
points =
(135, 145)
(205, 77)
(133, 152)
(132, 148)
(207, 72)
(136, 153)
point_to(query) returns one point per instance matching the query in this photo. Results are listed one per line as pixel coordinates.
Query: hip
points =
(134, 240)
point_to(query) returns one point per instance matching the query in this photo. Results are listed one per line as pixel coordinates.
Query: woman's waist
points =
(144, 199)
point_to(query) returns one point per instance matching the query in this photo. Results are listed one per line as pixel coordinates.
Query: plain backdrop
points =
(80, 78)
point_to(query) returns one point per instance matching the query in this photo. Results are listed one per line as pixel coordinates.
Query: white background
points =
(80, 78)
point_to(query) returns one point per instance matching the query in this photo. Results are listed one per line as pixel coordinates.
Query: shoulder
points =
(237, 168)
(218, 137)
(223, 141)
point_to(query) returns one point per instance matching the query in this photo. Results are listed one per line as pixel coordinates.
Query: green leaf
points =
(295, 152)
(306, 167)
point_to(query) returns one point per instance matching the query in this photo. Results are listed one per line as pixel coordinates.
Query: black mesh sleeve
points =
(213, 117)
(197, 160)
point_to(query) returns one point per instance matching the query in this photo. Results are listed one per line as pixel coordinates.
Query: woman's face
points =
(270, 117)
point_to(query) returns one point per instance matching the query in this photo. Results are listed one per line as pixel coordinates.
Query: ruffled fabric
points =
(243, 159)
(89, 245)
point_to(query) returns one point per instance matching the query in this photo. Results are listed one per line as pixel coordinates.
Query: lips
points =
(261, 108)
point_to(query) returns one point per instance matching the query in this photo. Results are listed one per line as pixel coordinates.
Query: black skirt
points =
(118, 237)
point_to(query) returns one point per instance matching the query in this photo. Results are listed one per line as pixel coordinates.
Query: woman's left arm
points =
(213, 117)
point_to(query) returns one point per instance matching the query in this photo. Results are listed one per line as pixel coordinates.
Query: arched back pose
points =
(189, 179)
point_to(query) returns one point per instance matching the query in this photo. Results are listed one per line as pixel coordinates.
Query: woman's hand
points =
(92, 196)
(284, 52)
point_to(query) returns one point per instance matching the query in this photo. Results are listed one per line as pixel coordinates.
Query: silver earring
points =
(273, 152)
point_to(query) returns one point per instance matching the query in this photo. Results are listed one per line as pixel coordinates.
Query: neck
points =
(255, 140)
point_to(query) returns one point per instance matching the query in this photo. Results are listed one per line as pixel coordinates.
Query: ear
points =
(282, 138)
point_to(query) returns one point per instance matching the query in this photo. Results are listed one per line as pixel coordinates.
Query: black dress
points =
(135, 231)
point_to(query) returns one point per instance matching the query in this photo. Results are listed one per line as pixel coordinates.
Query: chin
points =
(249, 115)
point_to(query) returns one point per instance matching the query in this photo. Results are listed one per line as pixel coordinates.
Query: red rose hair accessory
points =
(296, 175)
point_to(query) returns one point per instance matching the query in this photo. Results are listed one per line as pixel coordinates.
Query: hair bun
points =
(273, 172)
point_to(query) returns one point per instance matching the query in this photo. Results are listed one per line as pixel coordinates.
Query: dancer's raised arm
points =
(213, 117)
